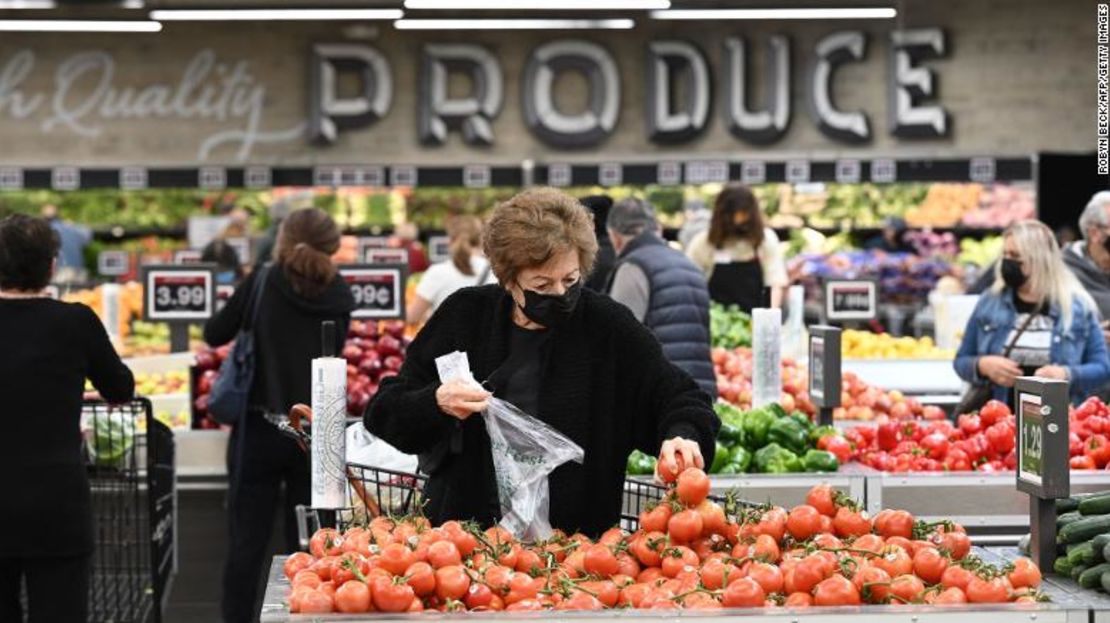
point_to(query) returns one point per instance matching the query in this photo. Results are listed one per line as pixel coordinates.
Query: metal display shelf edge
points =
(1011, 169)
(274, 610)
(981, 501)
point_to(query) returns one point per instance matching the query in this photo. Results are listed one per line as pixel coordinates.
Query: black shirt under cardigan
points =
(605, 384)
(47, 350)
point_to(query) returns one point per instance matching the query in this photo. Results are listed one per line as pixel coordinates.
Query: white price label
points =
(212, 178)
(477, 176)
(707, 172)
(402, 175)
(610, 174)
(753, 172)
(884, 171)
(982, 170)
(558, 175)
(133, 178)
(668, 174)
(257, 177)
(797, 171)
(65, 178)
(848, 171)
(11, 178)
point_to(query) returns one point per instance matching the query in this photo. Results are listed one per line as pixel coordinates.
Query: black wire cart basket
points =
(374, 491)
(130, 461)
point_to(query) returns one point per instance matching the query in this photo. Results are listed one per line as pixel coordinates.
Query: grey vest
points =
(678, 306)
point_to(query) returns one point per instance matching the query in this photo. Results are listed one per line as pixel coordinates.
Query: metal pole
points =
(179, 337)
(1042, 524)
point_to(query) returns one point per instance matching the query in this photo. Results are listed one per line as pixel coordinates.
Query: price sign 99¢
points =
(175, 293)
(379, 291)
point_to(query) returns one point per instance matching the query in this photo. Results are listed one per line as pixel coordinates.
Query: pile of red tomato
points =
(688, 553)
(983, 441)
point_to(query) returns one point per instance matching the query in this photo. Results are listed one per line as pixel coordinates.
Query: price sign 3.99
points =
(379, 290)
(177, 293)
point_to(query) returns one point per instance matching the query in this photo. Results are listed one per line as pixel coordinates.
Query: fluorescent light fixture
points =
(540, 5)
(272, 15)
(69, 25)
(27, 4)
(514, 24)
(770, 14)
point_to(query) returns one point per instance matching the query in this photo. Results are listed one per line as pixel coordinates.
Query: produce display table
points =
(909, 376)
(1069, 605)
(988, 505)
(1062, 590)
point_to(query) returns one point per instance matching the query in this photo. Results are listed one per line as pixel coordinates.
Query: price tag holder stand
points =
(179, 296)
(824, 371)
(1042, 452)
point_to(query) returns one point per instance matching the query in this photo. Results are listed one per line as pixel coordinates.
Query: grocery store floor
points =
(201, 547)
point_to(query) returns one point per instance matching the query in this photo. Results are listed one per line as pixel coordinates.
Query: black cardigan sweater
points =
(605, 384)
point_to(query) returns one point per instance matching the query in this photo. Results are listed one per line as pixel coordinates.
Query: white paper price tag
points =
(476, 176)
(753, 172)
(402, 175)
(668, 174)
(848, 171)
(797, 171)
(133, 178)
(65, 178)
(558, 175)
(982, 170)
(610, 174)
(212, 178)
(884, 171)
(11, 178)
(257, 177)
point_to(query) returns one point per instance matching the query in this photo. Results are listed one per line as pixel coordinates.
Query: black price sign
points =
(1042, 437)
(387, 256)
(850, 299)
(379, 290)
(439, 248)
(113, 263)
(178, 293)
(824, 366)
(366, 243)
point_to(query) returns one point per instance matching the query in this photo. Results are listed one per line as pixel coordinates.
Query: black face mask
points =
(1011, 273)
(1106, 243)
(550, 310)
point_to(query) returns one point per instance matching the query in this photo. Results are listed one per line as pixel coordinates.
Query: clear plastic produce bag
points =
(525, 452)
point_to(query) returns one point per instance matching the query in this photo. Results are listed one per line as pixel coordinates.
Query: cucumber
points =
(1092, 577)
(1077, 571)
(1067, 505)
(1106, 552)
(1095, 505)
(1067, 518)
(1099, 543)
(1084, 529)
(1062, 566)
(1083, 554)
(1106, 582)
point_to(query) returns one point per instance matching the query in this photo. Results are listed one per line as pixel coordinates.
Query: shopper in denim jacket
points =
(1062, 341)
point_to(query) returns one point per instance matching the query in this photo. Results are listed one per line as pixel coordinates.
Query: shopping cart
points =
(374, 491)
(134, 502)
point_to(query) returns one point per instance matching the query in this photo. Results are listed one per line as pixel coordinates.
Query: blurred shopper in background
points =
(467, 267)
(892, 238)
(1089, 258)
(406, 236)
(229, 264)
(600, 205)
(73, 240)
(299, 291)
(1040, 308)
(663, 289)
(49, 349)
(264, 250)
(738, 254)
(697, 217)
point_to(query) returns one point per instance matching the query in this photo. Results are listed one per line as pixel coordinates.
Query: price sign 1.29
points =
(1042, 437)
(379, 291)
(174, 293)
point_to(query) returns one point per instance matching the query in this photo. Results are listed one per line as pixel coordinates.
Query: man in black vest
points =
(662, 288)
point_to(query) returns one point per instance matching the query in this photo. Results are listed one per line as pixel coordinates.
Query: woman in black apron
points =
(736, 218)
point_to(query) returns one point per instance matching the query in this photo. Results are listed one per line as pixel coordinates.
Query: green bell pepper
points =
(776, 410)
(820, 461)
(731, 468)
(775, 459)
(741, 457)
(729, 414)
(640, 464)
(788, 433)
(818, 432)
(757, 423)
(720, 457)
(730, 435)
(803, 419)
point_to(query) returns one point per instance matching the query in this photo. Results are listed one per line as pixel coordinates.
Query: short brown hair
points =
(529, 229)
(305, 243)
(733, 199)
(28, 246)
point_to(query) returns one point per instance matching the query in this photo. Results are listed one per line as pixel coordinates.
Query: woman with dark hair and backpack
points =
(299, 291)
